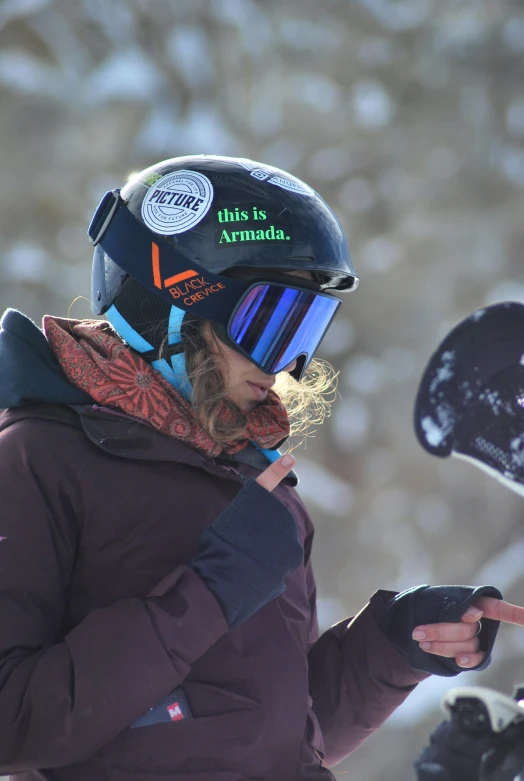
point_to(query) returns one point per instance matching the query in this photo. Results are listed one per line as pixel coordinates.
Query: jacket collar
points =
(125, 437)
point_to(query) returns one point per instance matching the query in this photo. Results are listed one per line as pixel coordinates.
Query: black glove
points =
(483, 740)
(247, 552)
(434, 605)
(511, 768)
(452, 755)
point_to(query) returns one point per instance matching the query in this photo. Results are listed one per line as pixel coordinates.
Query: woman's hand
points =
(460, 640)
(247, 552)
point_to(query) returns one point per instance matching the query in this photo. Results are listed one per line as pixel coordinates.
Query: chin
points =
(238, 398)
(246, 405)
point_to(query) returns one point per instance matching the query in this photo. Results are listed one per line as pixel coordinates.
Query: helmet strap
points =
(174, 369)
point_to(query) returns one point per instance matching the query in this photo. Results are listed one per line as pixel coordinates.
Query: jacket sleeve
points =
(64, 698)
(357, 677)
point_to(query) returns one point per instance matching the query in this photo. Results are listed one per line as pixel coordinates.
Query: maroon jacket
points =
(98, 513)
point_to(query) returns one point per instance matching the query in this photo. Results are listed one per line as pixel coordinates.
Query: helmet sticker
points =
(291, 185)
(177, 202)
(151, 178)
(252, 223)
(259, 173)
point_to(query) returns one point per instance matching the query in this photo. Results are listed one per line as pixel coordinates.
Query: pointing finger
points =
(500, 610)
(271, 477)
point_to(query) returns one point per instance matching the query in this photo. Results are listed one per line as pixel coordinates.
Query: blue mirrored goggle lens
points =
(275, 324)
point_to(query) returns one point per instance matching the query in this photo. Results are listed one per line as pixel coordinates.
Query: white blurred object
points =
(351, 423)
(26, 262)
(189, 51)
(399, 14)
(159, 130)
(69, 236)
(325, 489)
(461, 27)
(433, 515)
(254, 25)
(381, 254)
(330, 164)
(504, 568)
(265, 112)
(357, 195)
(14, 9)
(390, 506)
(128, 74)
(372, 105)
(200, 130)
(397, 185)
(318, 36)
(399, 363)
(364, 373)
(380, 466)
(61, 37)
(512, 34)
(502, 710)
(22, 72)
(424, 699)
(284, 153)
(375, 51)
(319, 92)
(330, 611)
(117, 19)
(506, 290)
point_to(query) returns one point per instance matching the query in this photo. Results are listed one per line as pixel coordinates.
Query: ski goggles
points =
(271, 323)
(274, 324)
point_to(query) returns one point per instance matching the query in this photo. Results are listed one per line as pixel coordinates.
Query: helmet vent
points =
(219, 180)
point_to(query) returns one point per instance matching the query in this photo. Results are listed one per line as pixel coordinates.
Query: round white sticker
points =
(177, 202)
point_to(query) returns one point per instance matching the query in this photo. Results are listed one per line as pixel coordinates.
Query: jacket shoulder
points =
(58, 413)
(40, 434)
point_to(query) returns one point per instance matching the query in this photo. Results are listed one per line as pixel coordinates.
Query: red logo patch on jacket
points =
(167, 710)
(175, 712)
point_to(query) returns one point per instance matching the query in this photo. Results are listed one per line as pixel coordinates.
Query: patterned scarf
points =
(95, 360)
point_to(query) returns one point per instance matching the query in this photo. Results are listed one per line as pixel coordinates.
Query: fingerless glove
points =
(247, 552)
(434, 605)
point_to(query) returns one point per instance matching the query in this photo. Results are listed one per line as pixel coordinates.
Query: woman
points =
(157, 600)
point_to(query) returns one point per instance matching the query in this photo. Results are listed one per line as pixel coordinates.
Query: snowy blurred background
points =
(408, 117)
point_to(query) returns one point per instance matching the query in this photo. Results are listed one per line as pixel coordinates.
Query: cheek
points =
(237, 363)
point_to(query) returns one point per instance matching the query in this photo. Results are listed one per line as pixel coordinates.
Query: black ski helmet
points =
(225, 214)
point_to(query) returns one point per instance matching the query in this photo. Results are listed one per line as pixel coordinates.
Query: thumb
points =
(271, 477)
(472, 614)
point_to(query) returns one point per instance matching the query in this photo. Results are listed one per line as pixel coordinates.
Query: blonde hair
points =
(308, 402)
